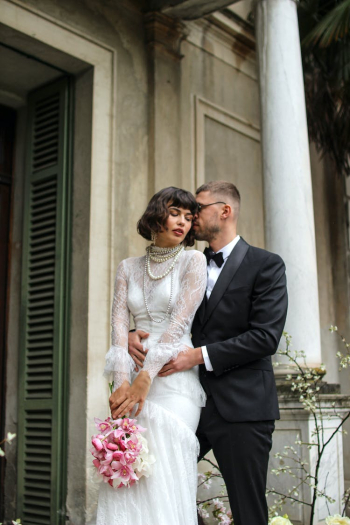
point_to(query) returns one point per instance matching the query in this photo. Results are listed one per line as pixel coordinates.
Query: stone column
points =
(289, 216)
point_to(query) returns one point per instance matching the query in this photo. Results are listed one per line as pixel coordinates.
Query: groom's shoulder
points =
(260, 255)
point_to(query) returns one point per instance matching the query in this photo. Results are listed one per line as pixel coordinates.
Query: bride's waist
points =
(185, 383)
(155, 335)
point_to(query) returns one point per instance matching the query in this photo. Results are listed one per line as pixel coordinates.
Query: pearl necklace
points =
(164, 255)
(160, 257)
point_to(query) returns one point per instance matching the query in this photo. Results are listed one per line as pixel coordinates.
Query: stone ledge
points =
(284, 388)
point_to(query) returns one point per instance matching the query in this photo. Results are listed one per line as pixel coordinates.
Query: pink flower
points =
(103, 426)
(116, 465)
(117, 434)
(112, 446)
(129, 457)
(126, 474)
(118, 455)
(108, 458)
(96, 463)
(121, 442)
(133, 445)
(129, 426)
(106, 471)
(97, 443)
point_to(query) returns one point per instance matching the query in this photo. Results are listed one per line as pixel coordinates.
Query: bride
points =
(162, 290)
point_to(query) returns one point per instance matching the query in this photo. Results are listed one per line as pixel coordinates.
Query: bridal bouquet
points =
(121, 452)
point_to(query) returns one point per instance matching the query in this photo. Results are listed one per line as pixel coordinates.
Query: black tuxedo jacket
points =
(241, 326)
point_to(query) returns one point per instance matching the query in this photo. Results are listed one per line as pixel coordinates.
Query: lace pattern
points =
(168, 338)
(188, 299)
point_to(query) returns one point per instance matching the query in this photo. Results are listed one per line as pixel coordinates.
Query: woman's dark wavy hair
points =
(157, 212)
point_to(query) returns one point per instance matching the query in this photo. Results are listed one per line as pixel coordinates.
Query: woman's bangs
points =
(185, 200)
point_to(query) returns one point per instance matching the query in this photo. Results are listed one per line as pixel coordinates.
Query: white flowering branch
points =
(307, 384)
(214, 504)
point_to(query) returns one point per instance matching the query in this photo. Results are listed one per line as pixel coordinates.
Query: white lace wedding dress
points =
(172, 409)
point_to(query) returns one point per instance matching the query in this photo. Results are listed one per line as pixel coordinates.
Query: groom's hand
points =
(184, 361)
(136, 347)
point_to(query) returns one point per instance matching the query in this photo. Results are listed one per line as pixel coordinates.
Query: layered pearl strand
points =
(160, 255)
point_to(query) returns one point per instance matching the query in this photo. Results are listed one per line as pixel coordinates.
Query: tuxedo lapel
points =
(228, 272)
(201, 309)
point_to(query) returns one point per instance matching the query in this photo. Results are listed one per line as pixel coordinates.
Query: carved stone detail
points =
(164, 34)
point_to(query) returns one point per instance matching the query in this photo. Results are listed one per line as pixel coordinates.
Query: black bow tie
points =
(217, 257)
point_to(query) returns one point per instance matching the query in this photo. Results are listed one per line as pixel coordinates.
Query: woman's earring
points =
(153, 237)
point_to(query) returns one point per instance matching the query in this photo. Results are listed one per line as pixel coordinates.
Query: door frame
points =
(74, 43)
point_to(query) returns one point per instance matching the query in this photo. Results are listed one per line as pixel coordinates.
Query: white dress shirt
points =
(213, 275)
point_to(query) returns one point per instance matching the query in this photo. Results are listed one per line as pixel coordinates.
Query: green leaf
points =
(334, 26)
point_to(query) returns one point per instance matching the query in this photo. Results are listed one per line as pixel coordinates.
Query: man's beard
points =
(207, 233)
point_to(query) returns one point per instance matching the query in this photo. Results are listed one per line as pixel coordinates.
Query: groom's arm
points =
(266, 321)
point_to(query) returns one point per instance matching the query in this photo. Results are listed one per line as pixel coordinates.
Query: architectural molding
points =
(205, 109)
(164, 34)
(188, 9)
(226, 44)
(235, 25)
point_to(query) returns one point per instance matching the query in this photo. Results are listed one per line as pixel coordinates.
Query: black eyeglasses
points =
(201, 206)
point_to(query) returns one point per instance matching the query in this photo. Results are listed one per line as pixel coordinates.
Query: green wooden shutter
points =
(43, 362)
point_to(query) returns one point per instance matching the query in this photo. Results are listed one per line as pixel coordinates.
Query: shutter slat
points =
(42, 232)
(43, 279)
(49, 222)
(49, 247)
(41, 319)
(49, 207)
(44, 262)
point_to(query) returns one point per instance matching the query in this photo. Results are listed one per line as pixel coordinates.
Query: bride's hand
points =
(136, 393)
(118, 396)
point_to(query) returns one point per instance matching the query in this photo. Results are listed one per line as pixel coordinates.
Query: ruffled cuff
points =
(118, 363)
(159, 354)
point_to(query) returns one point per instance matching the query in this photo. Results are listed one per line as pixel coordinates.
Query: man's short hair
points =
(224, 189)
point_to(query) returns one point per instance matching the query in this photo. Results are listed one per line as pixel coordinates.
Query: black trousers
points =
(242, 452)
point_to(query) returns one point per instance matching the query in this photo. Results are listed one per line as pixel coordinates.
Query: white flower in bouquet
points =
(337, 520)
(144, 462)
(280, 520)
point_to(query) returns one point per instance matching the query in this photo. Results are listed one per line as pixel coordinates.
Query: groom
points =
(236, 330)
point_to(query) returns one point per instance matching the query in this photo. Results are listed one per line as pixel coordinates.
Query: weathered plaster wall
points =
(221, 74)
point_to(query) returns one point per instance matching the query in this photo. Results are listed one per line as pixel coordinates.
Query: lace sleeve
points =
(118, 361)
(192, 287)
